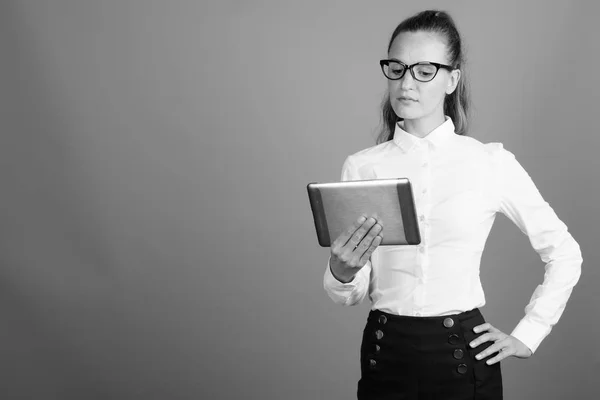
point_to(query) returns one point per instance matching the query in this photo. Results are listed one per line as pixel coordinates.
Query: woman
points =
(425, 336)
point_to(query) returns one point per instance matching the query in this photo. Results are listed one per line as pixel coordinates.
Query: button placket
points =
(453, 338)
(456, 338)
(425, 203)
(423, 210)
(426, 173)
(382, 320)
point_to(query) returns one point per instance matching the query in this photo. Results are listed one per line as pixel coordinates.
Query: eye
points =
(425, 71)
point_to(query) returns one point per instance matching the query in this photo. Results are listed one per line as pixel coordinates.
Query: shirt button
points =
(422, 249)
(421, 218)
(424, 191)
(417, 314)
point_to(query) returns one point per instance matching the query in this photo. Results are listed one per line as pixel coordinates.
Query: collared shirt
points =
(459, 185)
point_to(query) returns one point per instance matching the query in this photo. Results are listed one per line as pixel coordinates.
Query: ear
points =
(453, 81)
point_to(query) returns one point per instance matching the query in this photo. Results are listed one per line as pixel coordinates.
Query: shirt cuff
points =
(332, 282)
(531, 333)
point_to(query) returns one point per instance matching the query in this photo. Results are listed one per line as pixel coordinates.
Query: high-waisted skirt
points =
(426, 358)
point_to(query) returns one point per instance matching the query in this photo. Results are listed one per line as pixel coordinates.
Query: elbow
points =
(577, 259)
(573, 274)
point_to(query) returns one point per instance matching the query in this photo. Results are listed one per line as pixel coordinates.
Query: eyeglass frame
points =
(410, 67)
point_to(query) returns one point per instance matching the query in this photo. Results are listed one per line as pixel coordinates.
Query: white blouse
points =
(459, 184)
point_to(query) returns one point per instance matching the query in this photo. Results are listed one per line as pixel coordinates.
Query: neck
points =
(422, 127)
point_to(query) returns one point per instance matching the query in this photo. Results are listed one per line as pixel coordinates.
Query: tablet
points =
(337, 205)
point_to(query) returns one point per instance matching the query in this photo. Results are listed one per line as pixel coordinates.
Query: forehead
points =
(412, 47)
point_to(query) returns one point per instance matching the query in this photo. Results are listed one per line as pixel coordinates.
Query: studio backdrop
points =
(156, 240)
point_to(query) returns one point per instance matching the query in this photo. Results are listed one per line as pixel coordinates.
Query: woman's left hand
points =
(506, 345)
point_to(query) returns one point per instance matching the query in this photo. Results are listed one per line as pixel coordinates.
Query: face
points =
(414, 100)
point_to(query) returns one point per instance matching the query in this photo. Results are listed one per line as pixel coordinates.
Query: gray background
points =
(156, 237)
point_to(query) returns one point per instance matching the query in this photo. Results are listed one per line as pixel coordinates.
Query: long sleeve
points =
(353, 292)
(522, 203)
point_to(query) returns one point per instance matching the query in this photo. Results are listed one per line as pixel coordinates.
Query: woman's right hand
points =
(352, 249)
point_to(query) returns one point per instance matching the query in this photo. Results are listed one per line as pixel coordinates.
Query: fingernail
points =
(472, 344)
(362, 219)
(478, 356)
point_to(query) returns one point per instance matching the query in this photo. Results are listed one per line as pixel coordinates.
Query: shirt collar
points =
(437, 137)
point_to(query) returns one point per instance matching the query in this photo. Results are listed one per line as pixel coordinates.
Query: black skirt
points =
(426, 358)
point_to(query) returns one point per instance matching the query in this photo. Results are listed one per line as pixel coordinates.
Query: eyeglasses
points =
(422, 71)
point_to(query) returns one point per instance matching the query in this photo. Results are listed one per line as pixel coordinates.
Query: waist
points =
(405, 320)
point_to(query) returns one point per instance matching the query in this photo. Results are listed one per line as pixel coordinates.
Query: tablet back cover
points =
(337, 205)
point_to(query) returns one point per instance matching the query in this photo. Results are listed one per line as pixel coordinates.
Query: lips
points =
(405, 98)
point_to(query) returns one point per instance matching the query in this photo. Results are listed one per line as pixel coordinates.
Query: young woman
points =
(425, 337)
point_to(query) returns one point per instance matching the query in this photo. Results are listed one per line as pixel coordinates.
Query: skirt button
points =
(454, 339)
(462, 369)
(458, 354)
(448, 322)
(378, 334)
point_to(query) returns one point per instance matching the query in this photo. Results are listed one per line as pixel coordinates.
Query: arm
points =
(522, 203)
(351, 291)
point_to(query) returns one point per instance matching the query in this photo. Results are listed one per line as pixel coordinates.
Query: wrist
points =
(341, 277)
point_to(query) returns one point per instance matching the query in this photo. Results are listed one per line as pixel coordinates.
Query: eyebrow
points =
(418, 62)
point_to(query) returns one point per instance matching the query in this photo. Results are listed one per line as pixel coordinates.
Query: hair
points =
(456, 104)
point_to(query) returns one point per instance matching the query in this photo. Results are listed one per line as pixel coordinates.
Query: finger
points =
(368, 239)
(504, 353)
(344, 236)
(364, 245)
(487, 337)
(496, 347)
(358, 235)
(485, 327)
(376, 242)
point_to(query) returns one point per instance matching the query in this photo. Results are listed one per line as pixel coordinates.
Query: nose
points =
(407, 81)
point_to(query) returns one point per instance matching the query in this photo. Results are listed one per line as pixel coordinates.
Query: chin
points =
(408, 114)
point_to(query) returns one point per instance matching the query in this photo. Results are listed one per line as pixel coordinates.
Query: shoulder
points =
(361, 164)
(371, 154)
(491, 150)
